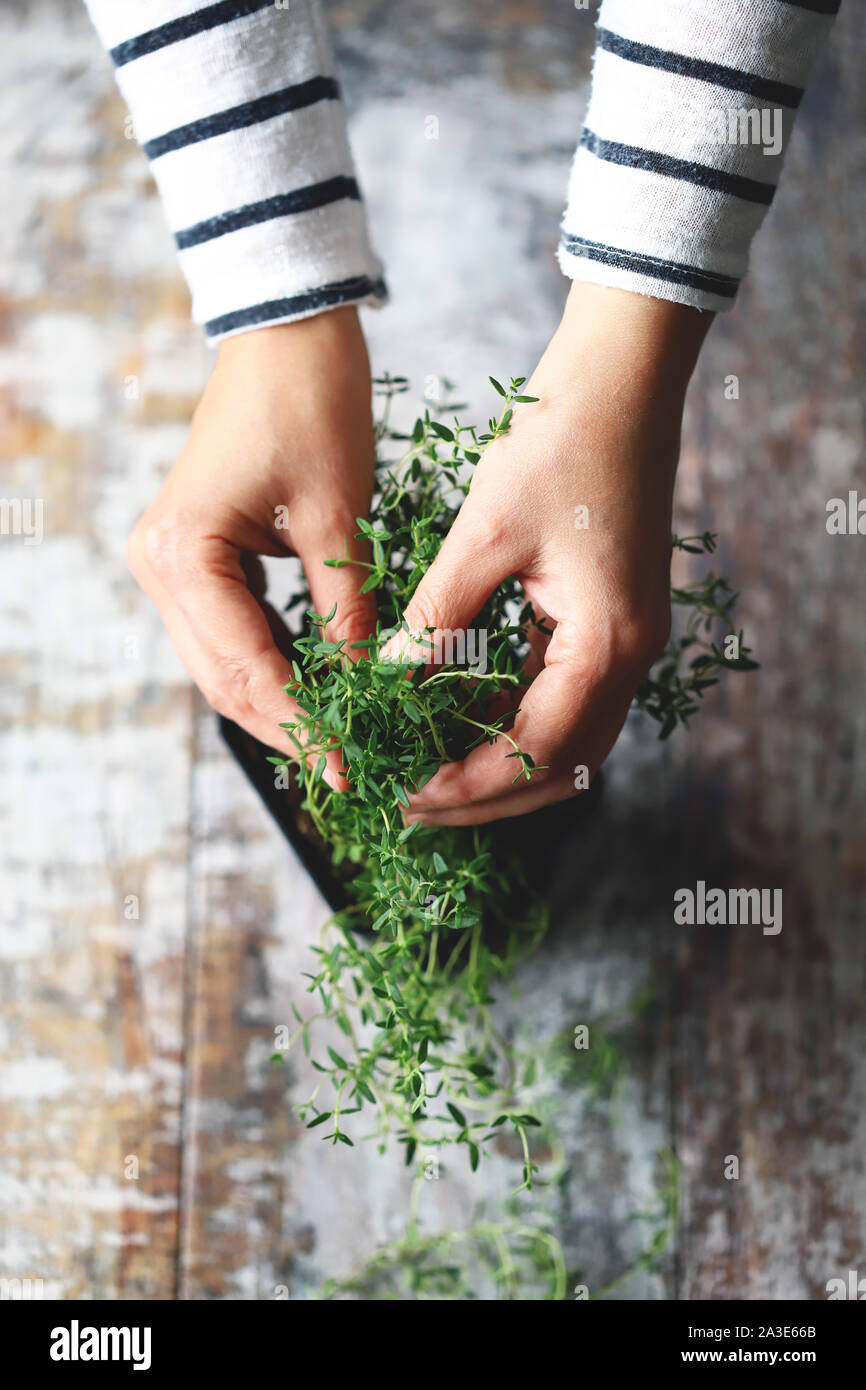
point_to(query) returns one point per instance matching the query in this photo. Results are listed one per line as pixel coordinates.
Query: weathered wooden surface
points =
(147, 1037)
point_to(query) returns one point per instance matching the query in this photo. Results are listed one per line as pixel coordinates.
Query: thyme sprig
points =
(449, 910)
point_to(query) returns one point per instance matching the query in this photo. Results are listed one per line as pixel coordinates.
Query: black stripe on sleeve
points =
(327, 297)
(248, 113)
(764, 88)
(314, 195)
(633, 157)
(817, 6)
(183, 28)
(725, 286)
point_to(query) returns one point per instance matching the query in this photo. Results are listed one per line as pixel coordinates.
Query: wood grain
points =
(148, 1036)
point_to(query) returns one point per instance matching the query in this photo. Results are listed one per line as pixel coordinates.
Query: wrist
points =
(648, 345)
(333, 332)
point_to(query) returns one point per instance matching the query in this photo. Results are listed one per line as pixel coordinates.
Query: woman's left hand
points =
(575, 501)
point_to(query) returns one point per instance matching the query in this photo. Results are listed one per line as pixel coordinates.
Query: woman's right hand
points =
(279, 461)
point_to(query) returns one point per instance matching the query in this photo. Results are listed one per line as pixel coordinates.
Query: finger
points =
(200, 667)
(339, 591)
(224, 636)
(256, 578)
(257, 583)
(542, 790)
(508, 701)
(475, 557)
(519, 802)
(355, 616)
(567, 716)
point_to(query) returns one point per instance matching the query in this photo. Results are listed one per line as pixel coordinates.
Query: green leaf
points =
(482, 1071)
(338, 1060)
(442, 431)
(456, 1114)
(496, 386)
(320, 1119)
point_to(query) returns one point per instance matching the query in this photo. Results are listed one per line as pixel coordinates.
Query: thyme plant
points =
(514, 1258)
(447, 912)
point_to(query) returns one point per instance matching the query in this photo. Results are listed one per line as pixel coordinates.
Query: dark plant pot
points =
(542, 839)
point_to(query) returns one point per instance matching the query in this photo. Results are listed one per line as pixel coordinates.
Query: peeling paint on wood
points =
(154, 926)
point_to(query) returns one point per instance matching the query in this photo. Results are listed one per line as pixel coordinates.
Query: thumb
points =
(355, 616)
(475, 557)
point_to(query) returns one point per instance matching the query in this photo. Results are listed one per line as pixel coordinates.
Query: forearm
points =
(237, 107)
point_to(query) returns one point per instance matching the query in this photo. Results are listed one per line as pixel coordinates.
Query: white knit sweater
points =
(237, 107)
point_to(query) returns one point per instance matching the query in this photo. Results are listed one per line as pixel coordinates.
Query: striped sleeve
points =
(238, 109)
(691, 108)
